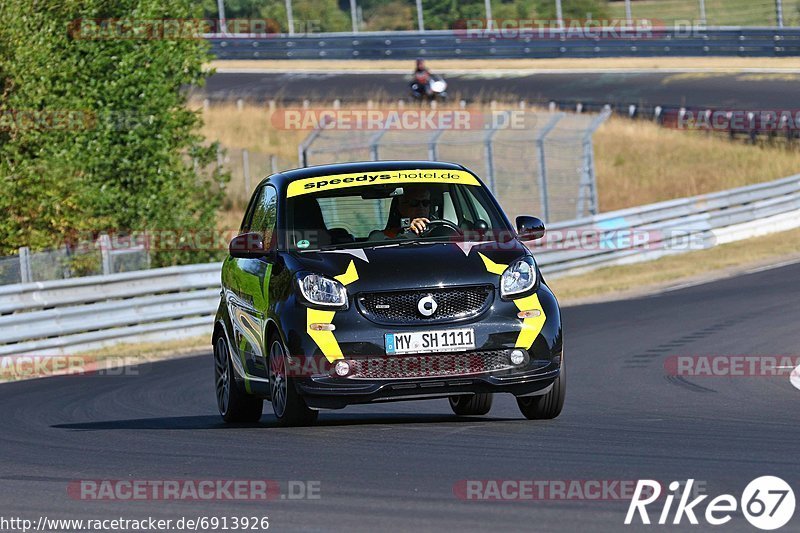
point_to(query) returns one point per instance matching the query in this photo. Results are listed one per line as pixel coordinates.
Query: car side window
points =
(248, 215)
(449, 210)
(265, 215)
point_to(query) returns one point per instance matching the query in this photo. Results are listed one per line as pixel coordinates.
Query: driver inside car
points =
(414, 210)
(409, 216)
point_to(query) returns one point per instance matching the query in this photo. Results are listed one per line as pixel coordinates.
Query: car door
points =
(248, 283)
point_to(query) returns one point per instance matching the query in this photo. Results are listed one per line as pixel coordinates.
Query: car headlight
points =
(319, 290)
(519, 277)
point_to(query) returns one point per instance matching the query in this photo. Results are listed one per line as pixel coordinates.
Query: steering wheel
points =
(440, 224)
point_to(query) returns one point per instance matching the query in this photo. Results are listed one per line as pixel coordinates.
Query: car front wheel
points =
(548, 405)
(290, 408)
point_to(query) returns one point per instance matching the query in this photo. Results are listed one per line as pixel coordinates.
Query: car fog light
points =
(342, 368)
(517, 357)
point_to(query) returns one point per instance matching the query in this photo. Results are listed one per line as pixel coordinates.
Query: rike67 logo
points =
(767, 503)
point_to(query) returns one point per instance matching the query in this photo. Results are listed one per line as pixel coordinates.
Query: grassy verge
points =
(105, 358)
(638, 163)
(643, 278)
(722, 64)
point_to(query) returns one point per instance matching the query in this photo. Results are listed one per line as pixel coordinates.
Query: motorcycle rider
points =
(421, 79)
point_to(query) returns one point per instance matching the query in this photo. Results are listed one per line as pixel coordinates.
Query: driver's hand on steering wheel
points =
(418, 225)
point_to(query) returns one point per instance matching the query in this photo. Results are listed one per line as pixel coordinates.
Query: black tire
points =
(547, 406)
(471, 404)
(290, 408)
(234, 404)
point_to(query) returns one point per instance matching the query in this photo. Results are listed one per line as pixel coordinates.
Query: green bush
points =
(573, 9)
(117, 147)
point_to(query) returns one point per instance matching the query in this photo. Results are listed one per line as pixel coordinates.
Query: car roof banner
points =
(340, 181)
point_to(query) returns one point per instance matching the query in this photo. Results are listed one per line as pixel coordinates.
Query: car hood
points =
(412, 266)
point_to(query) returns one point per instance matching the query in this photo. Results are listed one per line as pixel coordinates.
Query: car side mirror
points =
(247, 246)
(530, 228)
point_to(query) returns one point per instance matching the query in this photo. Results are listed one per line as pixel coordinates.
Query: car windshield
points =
(381, 214)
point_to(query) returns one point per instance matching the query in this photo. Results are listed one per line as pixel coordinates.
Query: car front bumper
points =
(358, 339)
(328, 392)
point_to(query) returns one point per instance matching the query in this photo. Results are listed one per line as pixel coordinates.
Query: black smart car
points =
(380, 281)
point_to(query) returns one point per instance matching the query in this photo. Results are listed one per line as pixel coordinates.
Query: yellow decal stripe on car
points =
(357, 179)
(350, 275)
(491, 266)
(324, 339)
(531, 327)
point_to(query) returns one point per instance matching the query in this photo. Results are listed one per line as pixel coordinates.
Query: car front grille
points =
(430, 365)
(401, 307)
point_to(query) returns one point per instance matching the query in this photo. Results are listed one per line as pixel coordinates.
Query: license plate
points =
(445, 340)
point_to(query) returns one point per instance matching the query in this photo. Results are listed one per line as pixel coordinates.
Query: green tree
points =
(115, 148)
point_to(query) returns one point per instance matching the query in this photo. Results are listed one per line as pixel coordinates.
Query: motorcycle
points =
(434, 89)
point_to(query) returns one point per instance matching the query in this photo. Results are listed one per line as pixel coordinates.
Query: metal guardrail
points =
(80, 314)
(675, 226)
(720, 41)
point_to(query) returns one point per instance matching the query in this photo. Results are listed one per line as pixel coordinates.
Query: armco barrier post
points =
(543, 194)
(375, 142)
(489, 153)
(105, 254)
(246, 169)
(433, 145)
(588, 187)
(25, 271)
(223, 27)
(559, 15)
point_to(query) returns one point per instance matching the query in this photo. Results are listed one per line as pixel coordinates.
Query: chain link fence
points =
(710, 12)
(247, 168)
(100, 257)
(410, 16)
(545, 168)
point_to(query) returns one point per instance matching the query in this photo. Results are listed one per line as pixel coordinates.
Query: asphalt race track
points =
(394, 466)
(715, 90)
